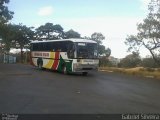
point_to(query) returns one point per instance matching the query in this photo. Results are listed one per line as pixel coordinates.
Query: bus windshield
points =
(87, 50)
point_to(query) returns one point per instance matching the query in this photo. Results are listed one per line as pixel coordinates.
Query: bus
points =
(65, 55)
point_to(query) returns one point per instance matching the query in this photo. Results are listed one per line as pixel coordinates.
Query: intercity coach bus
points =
(65, 55)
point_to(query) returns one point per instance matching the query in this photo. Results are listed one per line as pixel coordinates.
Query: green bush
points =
(150, 69)
(130, 61)
(158, 69)
(141, 69)
(149, 62)
(104, 62)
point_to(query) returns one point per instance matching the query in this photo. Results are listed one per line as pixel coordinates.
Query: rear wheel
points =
(40, 65)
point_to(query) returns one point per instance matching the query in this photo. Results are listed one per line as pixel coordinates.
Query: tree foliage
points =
(5, 14)
(7, 34)
(72, 34)
(149, 62)
(107, 52)
(148, 33)
(15, 36)
(22, 36)
(104, 51)
(101, 49)
(132, 60)
(49, 31)
(98, 37)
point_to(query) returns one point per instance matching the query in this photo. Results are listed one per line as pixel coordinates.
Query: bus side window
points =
(35, 46)
(58, 50)
(48, 46)
(53, 46)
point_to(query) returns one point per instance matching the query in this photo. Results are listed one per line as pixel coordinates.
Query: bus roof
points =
(72, 40)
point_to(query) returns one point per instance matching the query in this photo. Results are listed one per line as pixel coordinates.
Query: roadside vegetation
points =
(132, 64)
(137, 71)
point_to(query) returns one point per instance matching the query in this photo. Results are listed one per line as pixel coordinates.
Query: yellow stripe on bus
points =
(51, 61)
(52, 54)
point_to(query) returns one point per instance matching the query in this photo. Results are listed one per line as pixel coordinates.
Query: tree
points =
(49, 31)
(107, 52)
(132, 60)
(98, 37)
(149, 62)
(58, 30)
(44, 31)
(72, 34)
(101, 49)
(104, 61)
(5, 14)
(148, 33)
(6, 32)
(21, 36)
(104, 51)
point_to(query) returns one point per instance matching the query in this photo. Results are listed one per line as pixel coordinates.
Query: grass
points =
(138, 71)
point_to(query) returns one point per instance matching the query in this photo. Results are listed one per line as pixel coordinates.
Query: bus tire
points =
(84, 73)
(65, 70)
(40, 64)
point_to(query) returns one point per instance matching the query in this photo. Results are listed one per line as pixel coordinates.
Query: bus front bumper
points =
(84, 67)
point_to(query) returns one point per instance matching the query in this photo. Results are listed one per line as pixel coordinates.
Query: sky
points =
(115, 19)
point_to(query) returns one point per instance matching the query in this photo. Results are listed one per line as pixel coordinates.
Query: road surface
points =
(25, 89)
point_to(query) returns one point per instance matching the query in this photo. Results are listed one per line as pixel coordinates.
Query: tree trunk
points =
(21, 55)
(157, 61)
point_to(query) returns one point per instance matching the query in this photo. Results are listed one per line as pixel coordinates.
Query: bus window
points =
(35, 47)
(87, 50)
(46, 46)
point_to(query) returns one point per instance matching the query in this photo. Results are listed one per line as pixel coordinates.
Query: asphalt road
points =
(25, 89)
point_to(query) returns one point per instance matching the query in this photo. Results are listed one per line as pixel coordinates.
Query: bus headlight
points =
(74, 66)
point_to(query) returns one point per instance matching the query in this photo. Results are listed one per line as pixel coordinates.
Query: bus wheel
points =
(65, 70)
(40, 65)
(84, 73)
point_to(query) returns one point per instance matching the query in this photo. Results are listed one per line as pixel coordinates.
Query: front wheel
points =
(64, 71)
